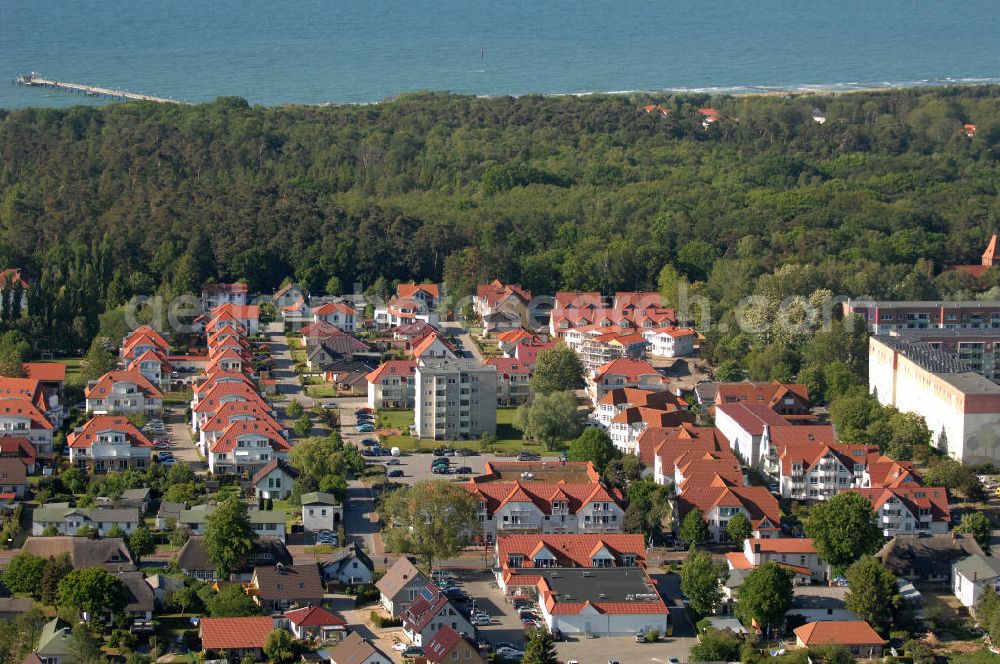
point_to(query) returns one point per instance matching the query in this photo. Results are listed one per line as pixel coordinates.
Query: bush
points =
(362, 593)
(652, 636)
(380, 621)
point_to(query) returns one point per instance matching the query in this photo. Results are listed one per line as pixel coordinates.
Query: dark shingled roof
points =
(269, 550)
(289, 582)
(108, 552)
(924, 556)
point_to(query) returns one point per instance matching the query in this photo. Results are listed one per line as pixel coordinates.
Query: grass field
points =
(321, 391)
(394, 419)
(509, 439)
(73, 369)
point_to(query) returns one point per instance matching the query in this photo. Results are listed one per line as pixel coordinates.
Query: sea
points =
(274, 52)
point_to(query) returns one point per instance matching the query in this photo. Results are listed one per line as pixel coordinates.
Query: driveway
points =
(283, 372)
(181, 444)
(456, 330)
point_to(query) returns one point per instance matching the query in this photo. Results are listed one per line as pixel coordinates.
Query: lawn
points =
(73, 370)
(321, 391)
(394, 419)
(509, 439)
(179, 398)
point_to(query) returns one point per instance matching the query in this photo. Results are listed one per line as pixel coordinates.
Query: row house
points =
(807, 462)
(790, 400)
(46, 399)
(909, 509)
(22, 418)
(208, 404)
(719, 501)
(20, 448)
(497, 296)
(154, 366)
(796, 554)
(521, 559)
(626, 427)
(744, 425)
(252, 410)
(141, 339)
(109, 443)
(507, 507)
(662, 448)
(670, 341)
(884, 316)
(429, 612)
(624, 372)
(245, 447)
(265, 523)
(123, 393)
(338, 314)
(506, 341)
(628, 310)
(205, 386)
(214, 295)
(513, 380)
(69, 520)
(392, 386)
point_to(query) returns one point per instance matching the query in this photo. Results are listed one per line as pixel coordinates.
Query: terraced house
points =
(123, 393)
(109, 442)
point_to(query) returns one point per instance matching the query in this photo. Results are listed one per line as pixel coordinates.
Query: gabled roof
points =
(498, 494)
(513, 336)
(509, 366)
(752, 417)
(13, 471)
(272, 465)
(570, 550)
(417, 328)
(443, 642)
(404, 368)
(54, 640)
(783, 545)
(227, 441)
(496, 292)
(105, 383)
(768, 393)
(235, 287)
(839, 632)
(314, 616)
(289, 582)
(427, 342)
(149, 355)
(409, 290)
(631, 369)
(19, 446)
(220, 378)
(232, 633)
(670, 443)
(578, 299)
(913, 498)
(85, 437)
(978, 567)
(233, 410)
(885, 472)
(47, 372)
(421, 611)
(355, 649)
(211, 401)
(193, 556)
(108, 552)
(334, 307)
(633, 396)
(926, 555)
(667, 416)
(402, 573)
(321, 330)
(990, 255)
(29, 389)
(756, 500)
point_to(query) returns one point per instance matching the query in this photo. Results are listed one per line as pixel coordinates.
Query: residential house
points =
(500, 321)
(720, 500)
(279, 587)
(274, 480)
(881, 471)
(610, 601)
(168, 515)
(670, 341)
(430, 347)
(856, 636)
(808, 464)
(400, 586)
(123, 393)
(430, 294)
(338, 314)
(663, 448)
(909, 509)
(796, 554)
(430, 611)
(355, 649)
(154, 366)
(109, 443)
(193, 560)
(525, 506)
(626, 412)
(927, 559)
(20, 448)
(513, 380)
(456, 399)
(44, 399)
(393, 385)
(246, 446)
(23, 419)
(970, 576)
(141, 339)
(108, 553)
(496, 296)
(790, 400)
(213, 295)
(314, 623)
(507, 341)
(744, 425)
(522, 559)
(287, 295)
(163, 588)
(68, 520)
(622, 373)
(596, 345)
(52, 375)
(321, 511)
(55, 644)
(13, 478)
(405, 310)
(140, 601)
(447, 645)
(629, 310)
(12, 607)
(349, 566)
(266, 523)
(235, 638)
(137, 498)
(413, 332)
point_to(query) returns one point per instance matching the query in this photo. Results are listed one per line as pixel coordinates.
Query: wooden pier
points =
(34, 80)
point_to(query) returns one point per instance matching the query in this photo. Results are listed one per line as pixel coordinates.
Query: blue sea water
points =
(347, 51)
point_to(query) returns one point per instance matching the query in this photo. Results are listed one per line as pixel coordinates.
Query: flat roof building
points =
(456, 399)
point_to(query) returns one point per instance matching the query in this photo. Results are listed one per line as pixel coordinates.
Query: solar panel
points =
(427, 594)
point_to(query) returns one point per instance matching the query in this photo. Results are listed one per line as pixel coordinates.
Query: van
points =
(396, 452)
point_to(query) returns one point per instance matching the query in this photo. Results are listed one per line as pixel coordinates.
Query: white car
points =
(399, 646)
(510, 653)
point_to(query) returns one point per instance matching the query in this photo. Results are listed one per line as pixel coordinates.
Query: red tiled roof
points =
(575, 550)
(232, 633)
(24, 408)
(445, 639)
(220, 378)
(631, 369)
(403, 368)
(752, 417)
(913, 497)
(421, 611)
(671, 443)
(507, 366)
(885, 472)
(770, 393)
(313, 616)
(654, 417)
(322, 330)
(334, 307)
(990, 255)
(409, 290)
(425, 344)
(496, 292)
(85, 437)
(783, 545)
(105, 383)
(512, 336)
(498, 494)
(578, 299)
(212, 400)
(29, 389)
(633, 396)
(756, 500)
(737, 560)
(840, 632)
(47, 372)
(22, 447)
(250, 409)
(227, 441)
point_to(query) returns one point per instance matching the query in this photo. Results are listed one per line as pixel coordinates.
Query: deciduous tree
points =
(229, 536)
(549, 418)
(873, 593)
(593, 445)
(432, 520)
(978, 525)
(92, 590)
(24, 574)
(694, 530)
(739, 528)
(844, 528)
(557, 369)
(701, 580)
(765, 596)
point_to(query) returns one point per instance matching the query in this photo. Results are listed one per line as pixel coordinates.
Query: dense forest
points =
(98, 204)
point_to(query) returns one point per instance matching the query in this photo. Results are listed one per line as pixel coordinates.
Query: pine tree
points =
(540, 648)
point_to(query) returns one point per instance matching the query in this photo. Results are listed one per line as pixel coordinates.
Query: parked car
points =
(463, 470)
(392, 462)
(330, 406)
(441, 574)
(510, 653)
(480, 619)
(395, 473)
(366, 428)
(439, 470)
(640, 637)
(527, 456)
(413, 651)
(438, 452)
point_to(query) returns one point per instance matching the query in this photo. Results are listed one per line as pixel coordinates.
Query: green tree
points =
(317, 457)
(622, 471)
(739, 528)
(55, 569)
(281, 647)
(92, 591)
(557, 369)
(303, 426)
(187, 600)
(540, 648)
(729, 371)
(140, 543)
(978, 525)
(873, 593)
(84, 646)
(694, 530)
(24, 574)
(701, 581)
(844, 528)
(294, 410)
(549, 418)
(229, 536)
(429, 519)
(765, 596)
(669, 283)
(98, 360)
(232, 602)
(650, 507)
(716, 645)
(593, 445)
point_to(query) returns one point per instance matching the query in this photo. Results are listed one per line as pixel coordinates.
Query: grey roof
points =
(15, 604)
(818, 597)
(349, 553)
(50, 514)
(140, 595)
(602, 584)
(319, 498)
(500, 316)
(354, 649)
(736, 577)
(272, 465)
(169, 510)
(140, 495)
(453, 364)
(108, 552)
(927, 304)
(164, 582)
(399, 575)
(54, 641)
(291, 583)
(199, 514)
(978, 567)
(266, 550)
(926, 555)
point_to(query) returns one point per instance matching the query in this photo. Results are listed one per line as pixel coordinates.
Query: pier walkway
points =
(36, 80)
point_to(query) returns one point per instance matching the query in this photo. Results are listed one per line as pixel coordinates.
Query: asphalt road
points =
(455, 329)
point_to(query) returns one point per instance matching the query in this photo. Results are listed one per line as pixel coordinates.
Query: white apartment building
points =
(392, 386)
(456, 399)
